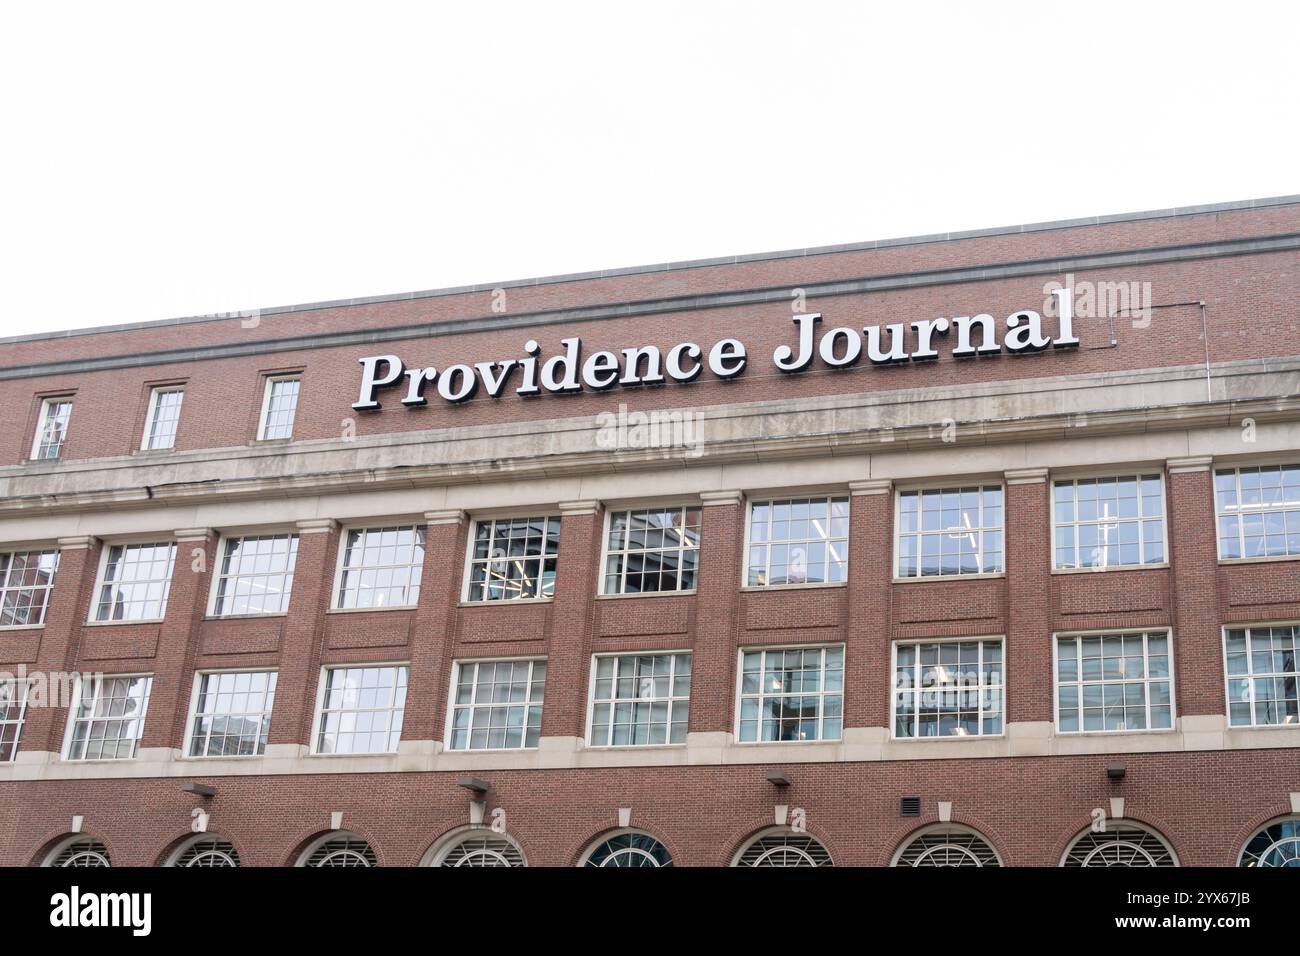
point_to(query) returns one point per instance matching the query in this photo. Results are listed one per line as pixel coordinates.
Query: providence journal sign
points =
(571, 371)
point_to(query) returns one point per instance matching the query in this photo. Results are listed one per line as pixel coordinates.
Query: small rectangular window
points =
(361, 710)
(279, 405)
(26, 581)
(1111, 522)
(1262, 675)
(232, 714)
(497, 705)
(164, 418)
(514, 558)
(13, 711)
(52, 428)
(109, 717)
(134, 582)
(1109, 682)
(948, 689)
(640, 699)
(381, 567)
(950, 531)
(652, 549)
(1259, 511)
(798, 541)
(792, 693)
(255, 575)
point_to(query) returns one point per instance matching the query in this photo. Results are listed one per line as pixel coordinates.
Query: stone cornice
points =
(873, 423)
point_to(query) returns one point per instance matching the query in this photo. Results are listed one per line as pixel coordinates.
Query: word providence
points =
(837, 348)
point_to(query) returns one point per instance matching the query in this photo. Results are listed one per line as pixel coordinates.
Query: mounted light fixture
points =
(1116, 770)
(474, 785)
(199, 790)
(779, 778)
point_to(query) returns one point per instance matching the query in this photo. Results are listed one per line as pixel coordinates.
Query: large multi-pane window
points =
(514, 558)
(497, 705)
(108, 718)
(52, 428)
(652, 549)
(26, 579)
(1259, 511)
(798, 541)
(1262, 675)
(232, 714)
(793, 693)
(279, 405)
(950, 531)
(255, 575)
(381, 567)
(361, 709)
(948, 689)
(1113, 682)
(134, 582)
(13, 711)
(640, 699)
(164, 418)
(1108, 522)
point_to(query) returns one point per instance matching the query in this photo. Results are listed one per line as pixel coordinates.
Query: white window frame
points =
(214, 586)
(104, 552)
(23, 685)
(319, 712)
(470, 560)
(917, 642)
(740, 695)
(1215, 468)
(953, 484)
(771, 499)
(591, 698)
(1145, 633)
(193, 715)
(612, 510)
(47, 588)
(1137, 473)
(452, 706)
(155, 397)
(266, 404)
(334, 606)
(42, 420)
(1227, 678)
(78, 691)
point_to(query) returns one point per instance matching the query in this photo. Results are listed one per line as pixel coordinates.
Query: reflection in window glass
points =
(948, 689)
(362, 710)
(256, 575)
(135, 582)
(798, 541)
(109, 718)
(26, 579)
(498, 705)
(232, 717)
(1113, 682)
(1262, 675)
(514, 558)
(640, 699)
(1258, 511)
(654, 549)
(381, 567)
(1109, 522)
(794, 693)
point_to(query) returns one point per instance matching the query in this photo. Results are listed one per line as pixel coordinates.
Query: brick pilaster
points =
(432, 639)
(717, 611)
(1028, 556)
(571, 633)
(304, 632)
(867, 635)
(1193, 552)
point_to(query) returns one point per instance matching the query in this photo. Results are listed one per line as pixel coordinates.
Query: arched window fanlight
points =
(208, 851)
(80, 851)
(782, 847)
(344, 849)
(946, 846)
(1124, 844)
(1276, 844)
(631, 848)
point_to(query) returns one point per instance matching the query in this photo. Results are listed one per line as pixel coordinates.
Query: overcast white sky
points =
(169, 159)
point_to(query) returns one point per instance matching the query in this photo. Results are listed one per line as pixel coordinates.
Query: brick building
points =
(884, 553)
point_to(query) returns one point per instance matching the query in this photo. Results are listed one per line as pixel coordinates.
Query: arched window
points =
(782, 847)
(205, 850)
(1277, 844)
(339, 849)
(629, 848)
(79, 851)
(1120, 844)
(478, 846)
(947, 845)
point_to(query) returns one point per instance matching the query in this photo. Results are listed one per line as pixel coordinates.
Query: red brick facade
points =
(1205, 801)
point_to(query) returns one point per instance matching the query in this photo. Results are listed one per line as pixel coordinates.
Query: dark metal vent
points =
(909, 807)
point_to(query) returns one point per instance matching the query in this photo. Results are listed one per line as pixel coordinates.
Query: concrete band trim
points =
(1170, 213)
(1214, 250)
